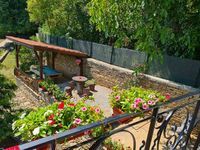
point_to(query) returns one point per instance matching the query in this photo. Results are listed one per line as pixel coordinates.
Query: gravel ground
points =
(22, 101)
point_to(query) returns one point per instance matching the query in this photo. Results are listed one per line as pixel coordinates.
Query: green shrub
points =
(56, 118)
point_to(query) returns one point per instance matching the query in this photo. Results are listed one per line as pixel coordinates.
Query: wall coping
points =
(150, 77)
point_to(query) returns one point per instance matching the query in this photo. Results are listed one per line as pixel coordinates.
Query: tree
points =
(14, 18)
(63, 17)
(6, 116)
(155, 27)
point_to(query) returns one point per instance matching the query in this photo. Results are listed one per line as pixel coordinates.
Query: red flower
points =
(52, 122)
(72, 105)
(167, 96)
(61, 105)
(51, 117)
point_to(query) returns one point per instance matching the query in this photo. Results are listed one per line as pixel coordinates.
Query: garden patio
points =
(99, 75)
(101, 72)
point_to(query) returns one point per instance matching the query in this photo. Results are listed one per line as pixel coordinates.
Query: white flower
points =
(57, 132)
(36, 131)
(21, 128)
(48, 112)
(23, 115)
(13, 125)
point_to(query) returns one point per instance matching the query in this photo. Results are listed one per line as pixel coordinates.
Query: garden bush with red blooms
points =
(136, 99)
(56, 118)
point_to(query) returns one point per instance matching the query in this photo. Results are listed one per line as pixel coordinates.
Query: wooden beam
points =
(41, 64)
(36, 54)
(17, 55)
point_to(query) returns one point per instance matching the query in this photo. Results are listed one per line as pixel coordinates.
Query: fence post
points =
(151, 129)
(91, 49)
(197, 79)
(111, 57)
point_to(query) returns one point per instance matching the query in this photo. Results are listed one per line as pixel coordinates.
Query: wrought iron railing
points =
(29, 81)
(176, 124)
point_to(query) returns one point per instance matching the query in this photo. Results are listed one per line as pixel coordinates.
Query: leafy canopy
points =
(153, 26)
(63, 17)
(14, 18)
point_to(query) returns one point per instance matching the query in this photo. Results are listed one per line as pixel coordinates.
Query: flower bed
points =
(52, 89)
(135, 99)
(56, 118)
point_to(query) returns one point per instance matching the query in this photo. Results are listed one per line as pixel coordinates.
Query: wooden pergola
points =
(41, 48)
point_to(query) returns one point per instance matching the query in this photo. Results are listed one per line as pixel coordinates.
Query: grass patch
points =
(8, 66)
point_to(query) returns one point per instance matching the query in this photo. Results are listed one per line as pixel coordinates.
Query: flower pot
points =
(72, 84)
(117, 111)
(78, 135)
(86, 92)
(92, 87)
(43, 88)
(44, 147)
(68, 90)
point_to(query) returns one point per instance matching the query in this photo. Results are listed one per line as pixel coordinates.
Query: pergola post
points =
(17, 55)
(41, 64)
(53, 60)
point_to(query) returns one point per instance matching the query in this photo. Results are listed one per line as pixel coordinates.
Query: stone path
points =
(22, 101)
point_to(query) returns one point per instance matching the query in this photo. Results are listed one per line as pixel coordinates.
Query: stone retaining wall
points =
(109, 75)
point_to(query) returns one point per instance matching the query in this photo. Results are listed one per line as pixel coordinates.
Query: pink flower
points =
(145, 106)
(167, 96)
(84, 108)
(77, 121)
(151, 102)
(87, 132)
(117, 98)
(138, 100)
(97, 110)
(135, 105)
(78, 61)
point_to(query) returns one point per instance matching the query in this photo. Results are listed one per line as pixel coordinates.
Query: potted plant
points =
(43, 85)
(55, 118)
(135, 99)
(90, 84)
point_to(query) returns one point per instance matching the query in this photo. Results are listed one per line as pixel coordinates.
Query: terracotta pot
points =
(117, 111)
(72, 84)
(86, 92)
(68, 90)
(44, 147)
(78, 135)
(92, 87)
(43, 88)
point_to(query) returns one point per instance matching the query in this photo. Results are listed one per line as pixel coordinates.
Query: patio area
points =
(66, 74)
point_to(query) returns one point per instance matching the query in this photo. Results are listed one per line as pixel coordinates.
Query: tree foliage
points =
(6, 93)
(14, 18)
(63, 17)
(156, 27)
